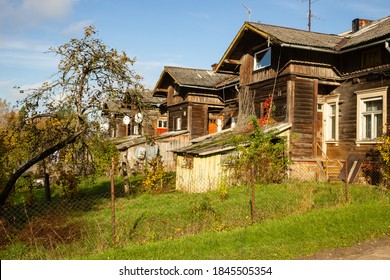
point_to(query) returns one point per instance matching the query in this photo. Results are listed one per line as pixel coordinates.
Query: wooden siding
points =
(303, 140)
(279, 94)
(211, 99)
(165, 146)
(290, 61)
(199, 120)
(202, 175)
(353, 61)
(178, 112)
(347, 121)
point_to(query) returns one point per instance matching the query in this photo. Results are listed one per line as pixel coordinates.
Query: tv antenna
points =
(249, 11)
(310, 14)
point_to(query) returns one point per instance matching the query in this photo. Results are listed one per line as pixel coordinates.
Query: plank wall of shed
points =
(203, 175)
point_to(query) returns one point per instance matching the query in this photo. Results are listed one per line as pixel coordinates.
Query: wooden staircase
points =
(330, 168)
(333, 169)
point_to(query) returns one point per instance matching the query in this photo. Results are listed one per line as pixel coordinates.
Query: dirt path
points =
(374, 249)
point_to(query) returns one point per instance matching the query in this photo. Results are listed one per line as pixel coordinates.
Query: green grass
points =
(291, 220)
(286, 238)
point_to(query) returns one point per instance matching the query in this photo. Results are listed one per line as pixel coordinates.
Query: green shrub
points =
(261, 156)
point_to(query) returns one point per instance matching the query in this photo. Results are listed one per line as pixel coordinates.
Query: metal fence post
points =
(253, 193)
(346, 182)
(112, 199)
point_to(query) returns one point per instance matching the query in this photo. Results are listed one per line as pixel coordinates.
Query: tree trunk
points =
(246, 107)
(14, 177)
(46, 183)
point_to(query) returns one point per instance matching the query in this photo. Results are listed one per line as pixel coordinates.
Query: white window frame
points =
(136, 130)
(178, 123)
(329, 102)
(256, 64)
(365, 96)
(162, 123)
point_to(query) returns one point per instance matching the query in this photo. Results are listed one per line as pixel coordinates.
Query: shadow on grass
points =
(54, 221)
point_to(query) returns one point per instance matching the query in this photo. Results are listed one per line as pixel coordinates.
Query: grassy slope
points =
(285, 238)
(292, 220)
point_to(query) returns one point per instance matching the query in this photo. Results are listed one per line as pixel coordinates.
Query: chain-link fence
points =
(96, 218)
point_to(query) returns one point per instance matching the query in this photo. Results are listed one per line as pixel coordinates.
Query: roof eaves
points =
(232, 44)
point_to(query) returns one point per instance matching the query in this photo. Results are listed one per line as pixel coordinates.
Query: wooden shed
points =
(136, 151)
(201, 167)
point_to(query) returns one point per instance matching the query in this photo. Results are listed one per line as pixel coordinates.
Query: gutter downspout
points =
(387, 46)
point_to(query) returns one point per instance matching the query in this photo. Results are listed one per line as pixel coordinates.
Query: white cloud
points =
(77, 28)
(28, 13)
(47, 9)
(27, 59)
(8, 43)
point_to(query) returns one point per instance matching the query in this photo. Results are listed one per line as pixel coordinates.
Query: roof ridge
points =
(292, 28)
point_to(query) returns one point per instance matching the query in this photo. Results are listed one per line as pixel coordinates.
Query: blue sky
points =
(187, 33)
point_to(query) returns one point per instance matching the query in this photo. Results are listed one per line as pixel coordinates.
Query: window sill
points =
(367, 142)
(261, 68)
(335, 142)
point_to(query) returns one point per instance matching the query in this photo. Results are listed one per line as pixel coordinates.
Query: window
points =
(331, 135)
(331, 119)
(136, 129)
(162, 124)
(178, 124)
(262, 59)
(371, 114)
(372, 118)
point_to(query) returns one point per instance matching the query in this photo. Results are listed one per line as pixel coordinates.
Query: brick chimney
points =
(359, 23)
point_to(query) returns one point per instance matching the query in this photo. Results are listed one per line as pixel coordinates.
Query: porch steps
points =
(333, 168)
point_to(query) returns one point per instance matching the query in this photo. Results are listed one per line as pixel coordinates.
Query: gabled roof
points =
(280, 35)
(191, 77)
(290, 37)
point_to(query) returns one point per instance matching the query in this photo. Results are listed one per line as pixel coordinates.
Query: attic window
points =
(262, 59)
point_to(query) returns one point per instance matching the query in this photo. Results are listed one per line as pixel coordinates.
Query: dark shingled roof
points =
(374, 30)
(194, 78)
(298, 37)
(197, 77)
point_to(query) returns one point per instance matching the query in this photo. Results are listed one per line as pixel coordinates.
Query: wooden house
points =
(128, 121)
(332, 89)
(200, 101)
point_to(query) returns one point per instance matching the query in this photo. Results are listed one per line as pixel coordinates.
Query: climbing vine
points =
(269, 108)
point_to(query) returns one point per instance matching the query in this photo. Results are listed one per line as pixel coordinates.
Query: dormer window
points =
(262, 59)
